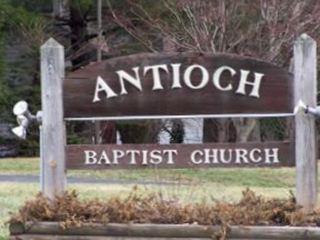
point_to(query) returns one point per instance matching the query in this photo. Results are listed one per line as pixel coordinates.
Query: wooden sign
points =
(177, 85)
(270, 154)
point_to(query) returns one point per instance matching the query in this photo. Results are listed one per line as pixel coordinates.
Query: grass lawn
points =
(220, 184)
(260, 177)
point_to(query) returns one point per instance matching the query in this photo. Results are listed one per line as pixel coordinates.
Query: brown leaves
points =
(250, 210)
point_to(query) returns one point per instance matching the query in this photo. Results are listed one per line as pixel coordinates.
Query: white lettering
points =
(90, 157)
(144, 157)
(269, 156)
(241, 155)
(170, 153)
(176, 76)
(217, 75)
(135, 81)
(155, 156)
(195, 77)
(133, 154)
(104, 157)
(102, 86)
(210, 156)
(156, 74)
(223, 157)
(187, 77)
(116, 155)
(193, 157)
(252, 155)
(255, 84)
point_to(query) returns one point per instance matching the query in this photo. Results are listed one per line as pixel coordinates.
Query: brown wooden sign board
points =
(268, 154)
(177, 85)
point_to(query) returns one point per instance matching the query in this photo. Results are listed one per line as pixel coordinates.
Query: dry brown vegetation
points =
(154, 208)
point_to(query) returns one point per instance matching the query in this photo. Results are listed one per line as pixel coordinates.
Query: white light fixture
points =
(314, 111)
(301, 106)
(20, 108)
(20, 132)
(24, 118)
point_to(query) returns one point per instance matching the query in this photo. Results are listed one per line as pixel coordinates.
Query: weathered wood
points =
(192, 127)
(305, 84)
(290, 122)
(53, 128)
(74, 237)
(163, 231)
(79, 88)
(206, 156)
(115, 229)
(55, 237)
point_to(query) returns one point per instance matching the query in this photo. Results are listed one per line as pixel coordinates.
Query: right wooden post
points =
(305, 85)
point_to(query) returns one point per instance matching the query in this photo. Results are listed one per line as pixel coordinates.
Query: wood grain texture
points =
(76, 157)
(276, 91)
(305, 79)
(53, 128)
(74, 237)
(169, 231)
(77, 237)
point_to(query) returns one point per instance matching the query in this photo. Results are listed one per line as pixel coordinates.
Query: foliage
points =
(3, 86)
(14, 195)
(19, 78)
(33, 5)
(70, 211)
(83, 5)
(260, 28)
(263, 29)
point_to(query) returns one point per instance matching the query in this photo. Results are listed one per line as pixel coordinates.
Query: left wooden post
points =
(53, 127)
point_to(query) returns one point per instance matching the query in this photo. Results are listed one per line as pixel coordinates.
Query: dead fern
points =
(69, 211)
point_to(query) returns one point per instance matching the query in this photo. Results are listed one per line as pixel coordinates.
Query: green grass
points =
(221, 184)
(261, 177)
(19, 166)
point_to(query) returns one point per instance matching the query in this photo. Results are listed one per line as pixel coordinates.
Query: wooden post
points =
(305, 78)
(53, 127)
(41, 165)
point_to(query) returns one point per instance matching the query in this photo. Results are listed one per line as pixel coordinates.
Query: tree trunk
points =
(60, 8)
(244, 128)
(139, 132)
(78, 26)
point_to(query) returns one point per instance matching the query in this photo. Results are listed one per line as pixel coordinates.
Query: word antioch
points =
(177, 79)
(168, 156)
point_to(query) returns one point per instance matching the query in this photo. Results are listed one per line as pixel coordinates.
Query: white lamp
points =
(24, 118)
(314, 111)
(20, 132)
(301, 106)
(20, 108)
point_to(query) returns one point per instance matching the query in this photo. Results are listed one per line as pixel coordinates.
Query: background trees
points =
(262, 29)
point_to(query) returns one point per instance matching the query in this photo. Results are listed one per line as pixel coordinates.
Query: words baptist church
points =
(168, 156)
